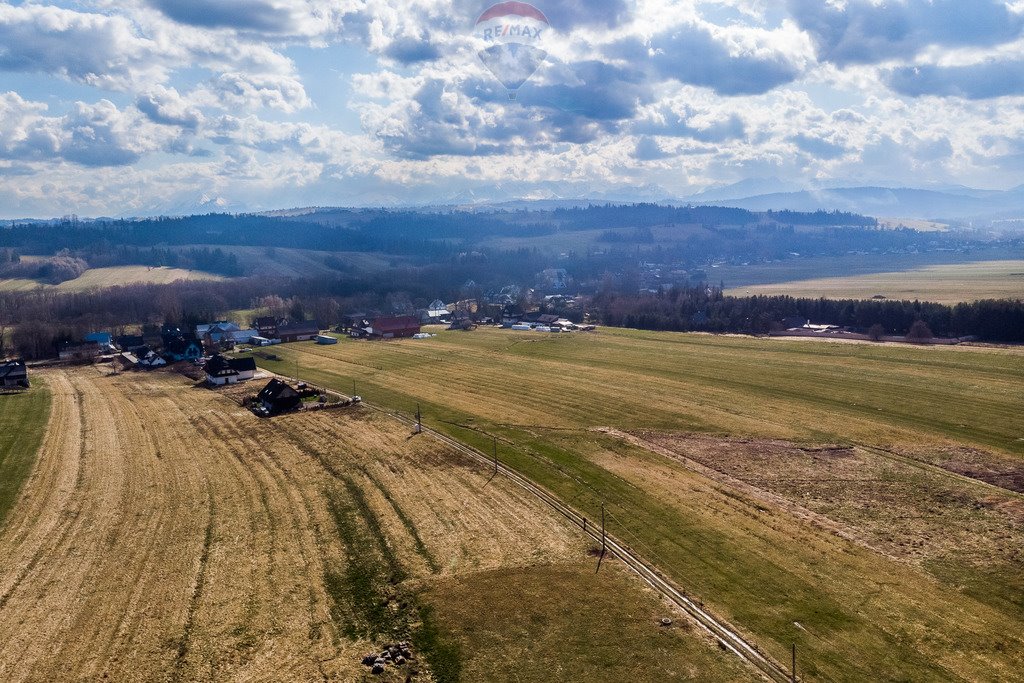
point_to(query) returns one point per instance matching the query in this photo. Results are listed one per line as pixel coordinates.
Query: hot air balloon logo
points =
(512, 33)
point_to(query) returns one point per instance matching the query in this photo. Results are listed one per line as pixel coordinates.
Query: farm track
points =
(157, 540)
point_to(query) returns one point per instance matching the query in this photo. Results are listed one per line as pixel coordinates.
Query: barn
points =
(395, 326)
(221, 370)
(294, 332)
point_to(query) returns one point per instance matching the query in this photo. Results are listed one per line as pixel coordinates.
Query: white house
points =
(221, 370)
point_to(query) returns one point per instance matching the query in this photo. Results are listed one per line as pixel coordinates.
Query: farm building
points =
(13, 374)
(277, 397)
(395, 327)
(293, 332)
(83, 351)
(437, 310)
(221, 370)
(326, 339)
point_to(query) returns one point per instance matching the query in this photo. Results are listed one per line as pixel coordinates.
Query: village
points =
(220, 353)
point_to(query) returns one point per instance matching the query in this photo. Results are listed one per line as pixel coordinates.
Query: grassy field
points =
(23, 418)
(99, 278)
(782, 571)
(169, 534)
(283, 262)
(810, 268)
(949, 284)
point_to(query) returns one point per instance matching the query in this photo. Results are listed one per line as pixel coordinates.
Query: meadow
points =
(587, 415)
(100, 278)
(23, 418)
(948, 284)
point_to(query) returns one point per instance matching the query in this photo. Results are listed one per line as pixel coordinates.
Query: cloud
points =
(869, 32)
(648, 149)
(251, 91)
(728, 63)
(819, 147)
(975, 81)
(166, 106)
(94, 49)
(411, 50)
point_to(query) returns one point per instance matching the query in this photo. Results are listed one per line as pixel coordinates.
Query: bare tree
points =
(919, 332)
(876, 332)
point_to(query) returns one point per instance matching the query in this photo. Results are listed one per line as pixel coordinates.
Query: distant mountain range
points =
(958, 203)
(940, 203)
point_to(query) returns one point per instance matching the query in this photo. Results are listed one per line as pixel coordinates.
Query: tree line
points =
(703, 308)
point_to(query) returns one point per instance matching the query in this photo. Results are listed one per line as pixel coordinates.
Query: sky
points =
(142, 107)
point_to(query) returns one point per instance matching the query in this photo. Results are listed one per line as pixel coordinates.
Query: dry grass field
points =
(100, 278)
(948, 284)
(166, 534)
(804, 491)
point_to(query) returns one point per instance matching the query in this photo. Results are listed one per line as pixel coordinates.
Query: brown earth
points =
(899, 506)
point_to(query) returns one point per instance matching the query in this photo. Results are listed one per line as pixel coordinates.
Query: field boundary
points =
(726, 634)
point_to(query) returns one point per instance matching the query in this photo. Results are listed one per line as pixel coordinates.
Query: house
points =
(177, 349)
(13, 374)
(79, 352)
(303, 331)
(221, 370)
(326, 339)
(266, 327)
(277, 397)
(395, 326)
(220, 326)
(149, 359)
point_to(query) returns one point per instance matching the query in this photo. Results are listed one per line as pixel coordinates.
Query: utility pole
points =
(603, 544)
(419, 419)
(353, 386)
(793, 675)
(494, 446)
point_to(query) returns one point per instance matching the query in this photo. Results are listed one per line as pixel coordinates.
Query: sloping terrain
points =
(166, 534)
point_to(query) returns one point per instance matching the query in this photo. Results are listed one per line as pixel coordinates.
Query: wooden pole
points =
(419, 419)
(602, 531)
(494, 447)
(793, 676)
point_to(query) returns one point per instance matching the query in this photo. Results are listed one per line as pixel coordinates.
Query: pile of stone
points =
(395, 654)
